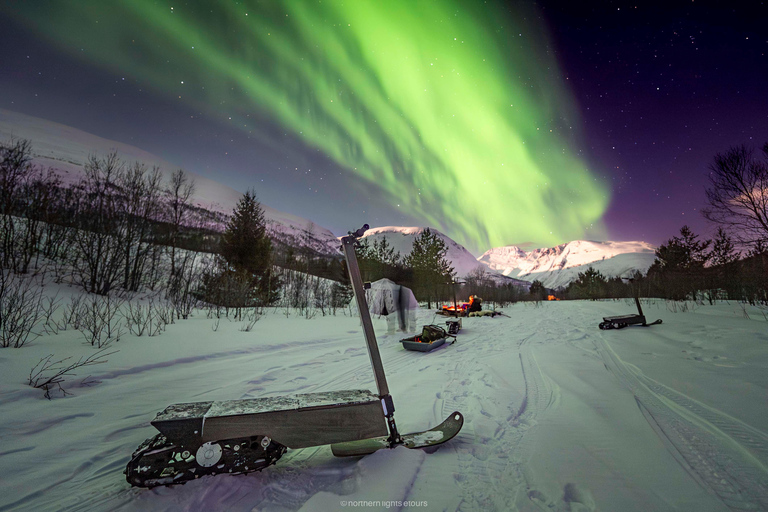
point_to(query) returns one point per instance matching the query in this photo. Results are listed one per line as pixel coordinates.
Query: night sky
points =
(497, 123)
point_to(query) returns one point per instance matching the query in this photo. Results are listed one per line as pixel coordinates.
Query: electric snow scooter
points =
(620, 322)
(242, 436)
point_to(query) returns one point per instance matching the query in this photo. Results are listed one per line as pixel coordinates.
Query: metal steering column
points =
(348, 246)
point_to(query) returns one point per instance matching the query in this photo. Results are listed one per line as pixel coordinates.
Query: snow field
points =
(558, 415)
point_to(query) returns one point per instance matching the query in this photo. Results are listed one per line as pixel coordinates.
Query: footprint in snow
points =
(578, 499)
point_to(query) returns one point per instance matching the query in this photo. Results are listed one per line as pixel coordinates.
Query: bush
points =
(48, 374)
(21, 310)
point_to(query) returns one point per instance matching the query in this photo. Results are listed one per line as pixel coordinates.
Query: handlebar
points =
(360, 232)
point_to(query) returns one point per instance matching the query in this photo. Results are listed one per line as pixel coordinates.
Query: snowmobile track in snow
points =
(724, 455)
(493, 452)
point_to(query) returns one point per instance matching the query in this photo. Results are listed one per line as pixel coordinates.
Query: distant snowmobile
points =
(241, 436)
(620, 322)
(463, 309)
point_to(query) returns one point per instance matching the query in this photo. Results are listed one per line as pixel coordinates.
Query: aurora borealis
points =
(497, 122)
(456, 111)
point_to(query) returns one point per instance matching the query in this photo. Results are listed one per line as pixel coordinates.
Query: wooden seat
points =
(295, 421)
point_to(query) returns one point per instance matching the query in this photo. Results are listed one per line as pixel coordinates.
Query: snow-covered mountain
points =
(300, 232)
(67, 149)
(558, 266)
(555, 266)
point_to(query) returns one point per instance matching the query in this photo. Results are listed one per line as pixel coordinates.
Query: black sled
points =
(242, 436)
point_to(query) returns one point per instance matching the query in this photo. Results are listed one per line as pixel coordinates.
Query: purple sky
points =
(661, 89)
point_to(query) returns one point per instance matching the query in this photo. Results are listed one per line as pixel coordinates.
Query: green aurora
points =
(455, 109)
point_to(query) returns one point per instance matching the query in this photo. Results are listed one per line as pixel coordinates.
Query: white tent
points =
(397, 303)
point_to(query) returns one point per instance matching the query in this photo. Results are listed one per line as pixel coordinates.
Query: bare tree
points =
(190, 269)
(15, 158)
(100, 320)
(26, 201)
(42, 211)
(144, 319)
(98, 248)
(21, 309)
(141, 207)
(738, 194)
(178, 201)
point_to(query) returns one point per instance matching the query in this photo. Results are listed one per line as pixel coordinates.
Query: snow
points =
(557, 266)
(284, 403)
(430, 436)
(558, 414)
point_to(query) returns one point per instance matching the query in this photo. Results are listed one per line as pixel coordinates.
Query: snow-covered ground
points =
(558, 414)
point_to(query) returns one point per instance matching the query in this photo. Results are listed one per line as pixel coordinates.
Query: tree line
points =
(106, 231)
(733, 265)
(122, 228)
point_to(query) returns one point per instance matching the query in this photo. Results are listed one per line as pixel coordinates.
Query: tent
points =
(397, 303)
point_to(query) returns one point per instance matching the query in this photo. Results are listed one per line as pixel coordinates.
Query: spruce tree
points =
(723, 271)
(697, 250)
(590, 284)
(246, 249)
(431, 269)
(678, 268)
(385, 253)
(244, 244)
(723, 249)
(537, 290)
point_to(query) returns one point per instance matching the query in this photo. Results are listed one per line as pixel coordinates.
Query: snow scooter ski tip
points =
(242, 436)
(445, 431)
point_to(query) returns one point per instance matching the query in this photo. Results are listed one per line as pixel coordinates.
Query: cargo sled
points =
(431, 337)
(453, 326)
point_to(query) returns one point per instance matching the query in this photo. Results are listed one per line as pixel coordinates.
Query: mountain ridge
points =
(557, 266)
